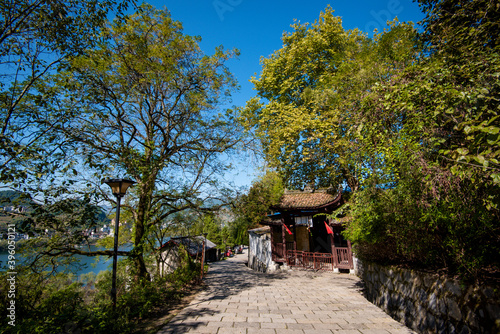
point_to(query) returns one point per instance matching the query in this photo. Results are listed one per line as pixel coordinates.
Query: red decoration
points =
(328, 229)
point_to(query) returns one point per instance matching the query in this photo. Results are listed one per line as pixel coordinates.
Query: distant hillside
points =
(13, 198)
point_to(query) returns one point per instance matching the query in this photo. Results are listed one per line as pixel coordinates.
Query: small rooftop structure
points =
(194, 245)
(260, 230)
(170, 258)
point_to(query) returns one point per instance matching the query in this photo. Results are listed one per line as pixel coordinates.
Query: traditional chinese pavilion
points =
(302, 235)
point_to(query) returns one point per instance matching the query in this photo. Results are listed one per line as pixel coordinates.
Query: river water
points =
(89, 263)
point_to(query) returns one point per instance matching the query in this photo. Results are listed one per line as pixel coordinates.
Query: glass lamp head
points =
(118, 186)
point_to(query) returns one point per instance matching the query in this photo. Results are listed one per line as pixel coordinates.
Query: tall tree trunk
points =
(142, 213)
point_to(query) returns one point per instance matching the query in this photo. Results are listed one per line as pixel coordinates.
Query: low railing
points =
(343, 258)
(308, 260)
(323, 261)
(320, 261)
(279, 251)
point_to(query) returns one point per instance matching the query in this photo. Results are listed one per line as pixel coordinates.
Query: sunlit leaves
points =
(443, 150)
(148, 100)
(250, 209)
(309, 118)
(36, 39)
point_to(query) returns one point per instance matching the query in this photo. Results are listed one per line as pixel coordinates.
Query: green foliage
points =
(251, 209)
(187, 271)
(148, 102)
(440, 147)
(37, 38)
(238, 233)
(409, 122)
(62, 304)
(313, 85)
(139, 98)
(14, 198)
(432, 219)
(212, 226)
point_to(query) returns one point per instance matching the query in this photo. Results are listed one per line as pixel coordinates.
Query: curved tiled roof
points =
(307, 200)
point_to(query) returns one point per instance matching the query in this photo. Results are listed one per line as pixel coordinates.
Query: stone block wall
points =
(430, 304)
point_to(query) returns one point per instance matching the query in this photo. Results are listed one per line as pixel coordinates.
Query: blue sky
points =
(255, 28)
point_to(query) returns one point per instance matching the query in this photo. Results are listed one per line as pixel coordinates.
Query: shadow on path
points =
(239, 300)
(232, 276)
(224, 279)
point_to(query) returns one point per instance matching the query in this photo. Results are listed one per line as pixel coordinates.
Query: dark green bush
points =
(61, 304)
(434, 220)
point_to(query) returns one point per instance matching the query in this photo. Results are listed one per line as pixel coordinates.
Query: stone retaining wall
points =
(429, 304)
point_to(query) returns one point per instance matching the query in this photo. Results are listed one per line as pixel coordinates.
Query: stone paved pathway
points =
(239, 300)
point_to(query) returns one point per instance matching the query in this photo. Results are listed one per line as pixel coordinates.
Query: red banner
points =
(328, 229)
(287, 229)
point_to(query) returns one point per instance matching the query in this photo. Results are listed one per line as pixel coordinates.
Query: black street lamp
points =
(119, 188)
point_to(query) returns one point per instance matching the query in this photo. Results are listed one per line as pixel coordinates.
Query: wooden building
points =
(302, 235)
(171, 258)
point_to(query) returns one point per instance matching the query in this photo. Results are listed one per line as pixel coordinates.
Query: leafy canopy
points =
(37, 38)
(144, 103)
(443, 152)
(307, 112)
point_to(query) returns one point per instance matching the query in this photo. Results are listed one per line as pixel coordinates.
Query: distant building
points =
(14, 209)
(106, 229)
(170, 256)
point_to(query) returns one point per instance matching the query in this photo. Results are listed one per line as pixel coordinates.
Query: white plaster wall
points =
(259, 253)
(171, 260)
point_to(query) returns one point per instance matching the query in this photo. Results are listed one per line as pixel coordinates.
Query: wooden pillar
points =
(202, 258)
(271, 227)
(332, 241)
(294, 237)
(334, 250)
(283, 235)
(273, 246)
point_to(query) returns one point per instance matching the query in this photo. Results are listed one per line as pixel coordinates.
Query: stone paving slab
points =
(240, 300)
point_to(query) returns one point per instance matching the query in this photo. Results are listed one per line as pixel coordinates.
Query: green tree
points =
(212, 227)
(252, 208)
(440, 146)
(147, 100)
(307, 113)
(464, 42)
(37, 38)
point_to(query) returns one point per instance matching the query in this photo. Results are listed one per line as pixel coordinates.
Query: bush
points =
(62, 304)
(187, 271)
(430, 219)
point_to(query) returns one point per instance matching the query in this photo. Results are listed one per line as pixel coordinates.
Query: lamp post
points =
(119, 189)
